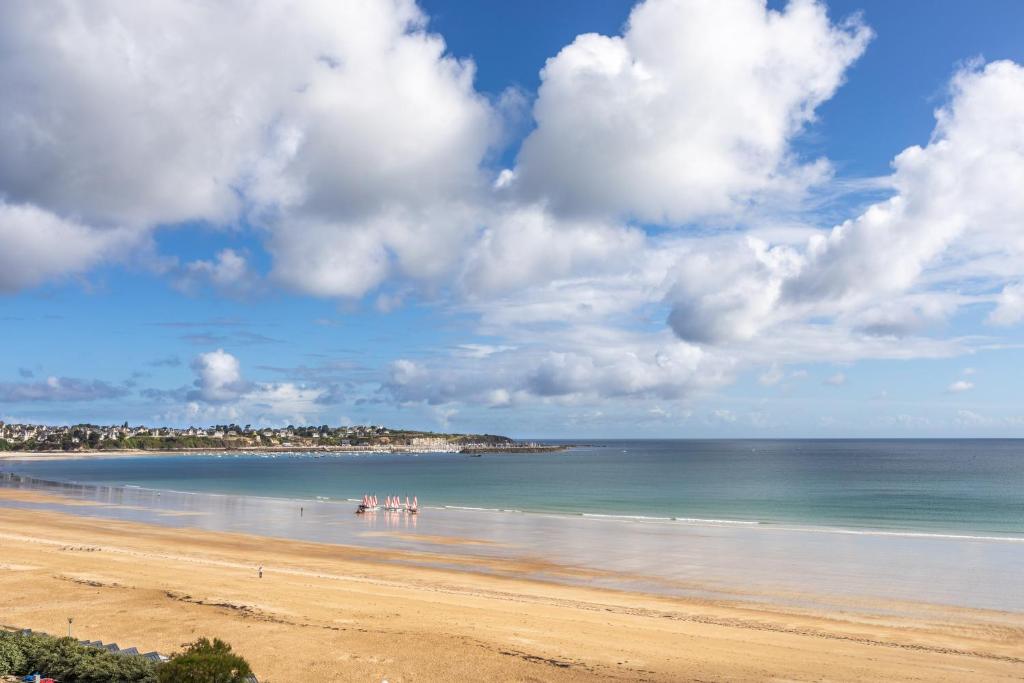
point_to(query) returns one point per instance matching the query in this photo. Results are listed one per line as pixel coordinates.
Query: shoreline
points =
(351, 613)
(137, 452)
(1013, 537)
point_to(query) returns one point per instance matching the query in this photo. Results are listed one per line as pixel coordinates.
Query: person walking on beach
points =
(260, 571)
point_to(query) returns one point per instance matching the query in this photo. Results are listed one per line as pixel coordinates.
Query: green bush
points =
(205, 662)
(70, 662)
(12, 660)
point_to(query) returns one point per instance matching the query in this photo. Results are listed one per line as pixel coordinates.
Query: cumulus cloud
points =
(39, 245)
(524, 246)
(346, 258)
(229, 273)
(887, 272)
(118, 119)
(730, 290)
(1009, 308)
(960, 386)
(412, 133)
(907, 315)
(689, 113)
(221, 392)
(218, 377)
(962, 189)
(59, 389)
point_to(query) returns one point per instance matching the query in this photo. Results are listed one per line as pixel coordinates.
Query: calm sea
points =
(937, 486)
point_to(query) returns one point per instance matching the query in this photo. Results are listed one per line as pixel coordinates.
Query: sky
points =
(671, 218)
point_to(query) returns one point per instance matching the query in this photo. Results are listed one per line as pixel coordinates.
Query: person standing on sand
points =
(260, 571)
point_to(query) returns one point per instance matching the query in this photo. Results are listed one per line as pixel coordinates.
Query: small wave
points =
(471, 509)
(699, 520)
(902, 534)
(640, 517)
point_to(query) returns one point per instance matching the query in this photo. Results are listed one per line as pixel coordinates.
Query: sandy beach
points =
(332, 612)
(29, 456)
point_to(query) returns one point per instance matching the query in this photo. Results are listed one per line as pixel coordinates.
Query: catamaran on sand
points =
(391, 504)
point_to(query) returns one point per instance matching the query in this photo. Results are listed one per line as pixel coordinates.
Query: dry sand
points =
(334, 613)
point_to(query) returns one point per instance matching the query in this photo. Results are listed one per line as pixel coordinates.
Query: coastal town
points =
(32, 438)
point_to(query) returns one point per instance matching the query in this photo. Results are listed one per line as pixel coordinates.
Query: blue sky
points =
(695, 222)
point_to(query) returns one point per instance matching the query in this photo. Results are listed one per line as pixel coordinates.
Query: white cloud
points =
(1009, 308)
(219, 377)
(481, 350)
(887, 272)
(524, 246)
(229, 273)
(328, 259)
(355, 131)
(956, 198)
(284, 402)
(128, 115)
(594, 365)
(960, 386)
(836, 380)
(729, 290)
(40, 246)
(908, 315)
(689, 113)
(222, 393)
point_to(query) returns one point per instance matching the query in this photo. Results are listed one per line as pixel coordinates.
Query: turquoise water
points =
(939, 486)
(881, 526)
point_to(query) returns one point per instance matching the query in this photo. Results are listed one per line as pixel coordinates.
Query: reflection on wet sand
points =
(750, 563)
(388, 519)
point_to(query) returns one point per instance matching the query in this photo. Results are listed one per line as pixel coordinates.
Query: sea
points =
(804, 522)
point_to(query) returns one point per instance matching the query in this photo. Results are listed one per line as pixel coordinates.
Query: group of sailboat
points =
(391, 504)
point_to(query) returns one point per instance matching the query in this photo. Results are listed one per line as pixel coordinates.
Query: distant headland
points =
(99, 439)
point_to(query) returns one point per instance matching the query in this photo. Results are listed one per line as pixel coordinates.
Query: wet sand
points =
(336, 612)
(826, 569)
